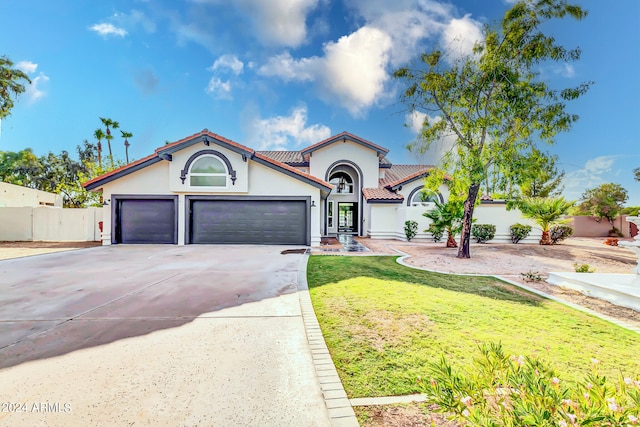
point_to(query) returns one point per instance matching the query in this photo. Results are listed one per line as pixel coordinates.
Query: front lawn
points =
(384, 322)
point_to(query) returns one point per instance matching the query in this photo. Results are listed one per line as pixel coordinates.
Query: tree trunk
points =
(465, 237)
(546, 239)
(451, 242)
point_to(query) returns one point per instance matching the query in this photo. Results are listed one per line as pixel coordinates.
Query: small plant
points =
(558, 233)
(483, 232)
(410, 229)
(519, 232)
(436, 232)
(531, 276)
(583, 268)
(503, 390)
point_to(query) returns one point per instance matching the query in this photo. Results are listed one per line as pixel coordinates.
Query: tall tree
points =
(636, 172)
(21, 168)
(605, 202)
(126, 136)
(493, 101)
(99, 135)
(109, 124)
(12, 82)
(538, 175)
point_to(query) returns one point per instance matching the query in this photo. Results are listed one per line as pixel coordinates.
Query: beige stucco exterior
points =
(16, 196)
(260, 177)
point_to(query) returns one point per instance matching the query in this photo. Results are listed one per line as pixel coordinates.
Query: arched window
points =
(208, 171)
(422, 198)
(342, 182)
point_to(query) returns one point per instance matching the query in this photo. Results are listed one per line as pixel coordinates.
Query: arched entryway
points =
(343, 208)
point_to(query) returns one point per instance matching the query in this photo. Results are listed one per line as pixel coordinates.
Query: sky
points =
(284, 74)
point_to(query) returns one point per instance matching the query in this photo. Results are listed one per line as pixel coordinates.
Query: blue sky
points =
(283, 74)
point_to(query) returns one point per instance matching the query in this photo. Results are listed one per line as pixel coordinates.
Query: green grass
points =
(383, 323)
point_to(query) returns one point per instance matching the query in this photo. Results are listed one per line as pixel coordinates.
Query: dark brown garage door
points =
(145, 221)
(276, 222)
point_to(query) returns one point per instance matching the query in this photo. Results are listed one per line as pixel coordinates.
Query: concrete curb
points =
(388, 400)
(527, 288)
(338, 405)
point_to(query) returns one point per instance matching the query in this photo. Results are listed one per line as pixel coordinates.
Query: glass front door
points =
(347, 218)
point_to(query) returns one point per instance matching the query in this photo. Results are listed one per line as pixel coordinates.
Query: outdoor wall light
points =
(313, 203)
(106, 202)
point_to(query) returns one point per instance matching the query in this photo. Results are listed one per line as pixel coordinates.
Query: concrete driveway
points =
(156, 335)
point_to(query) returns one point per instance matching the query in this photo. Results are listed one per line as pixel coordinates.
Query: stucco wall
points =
(365, 158)
(254, 179)
(390, 219)
(588, 226)
(18, 196)
(50, 224)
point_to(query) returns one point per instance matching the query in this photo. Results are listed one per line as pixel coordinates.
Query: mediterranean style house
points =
(208, 189)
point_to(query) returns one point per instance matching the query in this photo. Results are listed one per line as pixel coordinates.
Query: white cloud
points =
(279, 22)
(230, 62)
(352, 70)
(34, 91)
(106, 30)
(415, 120)
(275, 22)
(219, 89)
(282, 132)
(596, 171)
(459, 37)
(27, 66)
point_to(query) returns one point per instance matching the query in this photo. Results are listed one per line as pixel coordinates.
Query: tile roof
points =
(371, 194)
(284, 156)
(401, 173)
(155, 157)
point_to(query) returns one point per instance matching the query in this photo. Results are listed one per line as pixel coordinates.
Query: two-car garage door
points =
(214, 220)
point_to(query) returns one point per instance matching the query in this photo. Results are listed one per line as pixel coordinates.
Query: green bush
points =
(583, 268)
(483, 232)
(558, 233)
(502, 390)
(436, 232)
(519, 232)
(410, 229)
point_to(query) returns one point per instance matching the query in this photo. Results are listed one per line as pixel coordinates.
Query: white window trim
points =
(208, 187)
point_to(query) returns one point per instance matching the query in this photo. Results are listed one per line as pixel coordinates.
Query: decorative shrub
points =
(410, 229)
(583, 268)
(558, 233)
(502, 390)
(531, 276)
(519, 232)
(483, 232)
(436, 232)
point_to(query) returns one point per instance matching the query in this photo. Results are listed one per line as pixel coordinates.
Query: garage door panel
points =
(146, 221)
(248, 221)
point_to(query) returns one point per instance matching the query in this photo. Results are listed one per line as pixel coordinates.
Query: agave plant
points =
(545, 212)
(447, 217)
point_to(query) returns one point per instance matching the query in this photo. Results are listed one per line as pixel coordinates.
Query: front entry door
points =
(347, 218)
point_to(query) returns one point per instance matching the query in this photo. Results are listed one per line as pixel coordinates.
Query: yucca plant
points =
(544, 211)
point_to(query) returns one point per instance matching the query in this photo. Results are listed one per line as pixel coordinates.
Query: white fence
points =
(49, 224)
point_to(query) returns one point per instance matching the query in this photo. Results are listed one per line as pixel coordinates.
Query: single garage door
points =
(276, 222)
(146, 221)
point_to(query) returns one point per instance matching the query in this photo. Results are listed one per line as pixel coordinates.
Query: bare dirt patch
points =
(10, 250)
(509, 260)
(409, 415)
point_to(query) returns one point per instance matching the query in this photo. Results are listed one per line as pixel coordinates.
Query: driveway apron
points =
(156, 335)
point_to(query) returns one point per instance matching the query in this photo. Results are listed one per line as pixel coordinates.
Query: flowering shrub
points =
(502, 390)
(557, 233)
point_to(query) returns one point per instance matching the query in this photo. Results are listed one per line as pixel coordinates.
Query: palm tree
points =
(447, 217)
(110, 124)
(545, 212)
(99, 135)
(12, 84)
(126, 136)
